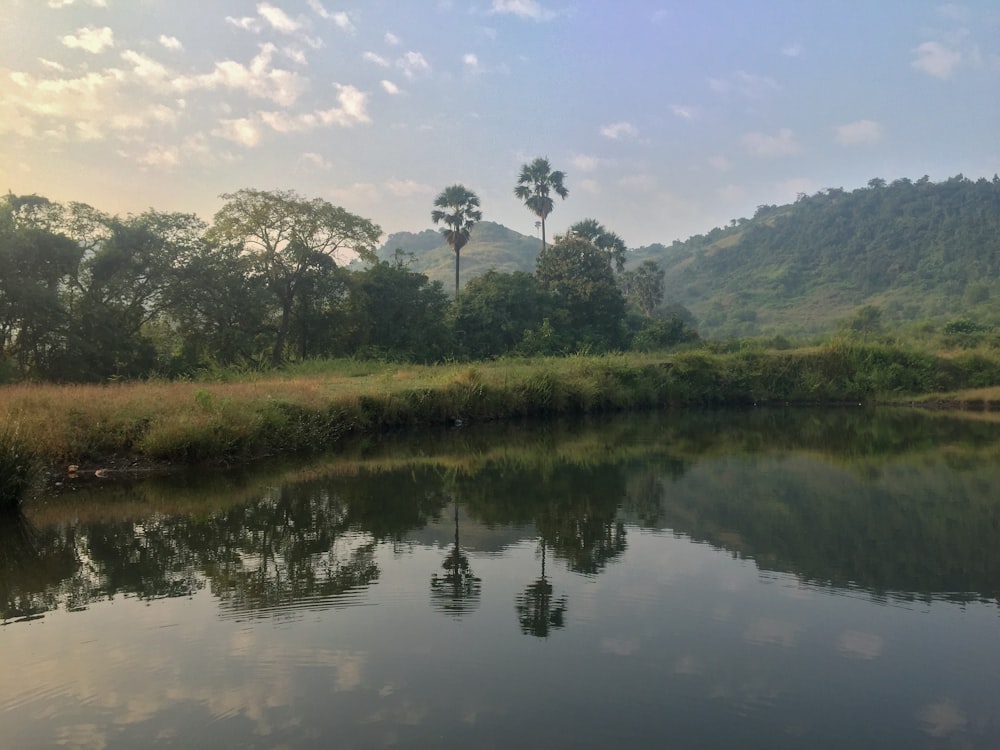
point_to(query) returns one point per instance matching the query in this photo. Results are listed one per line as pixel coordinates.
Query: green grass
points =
(315, 405)
(19, 466)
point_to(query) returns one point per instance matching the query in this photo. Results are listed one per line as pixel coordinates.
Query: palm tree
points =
(534, 185)
(458, 208)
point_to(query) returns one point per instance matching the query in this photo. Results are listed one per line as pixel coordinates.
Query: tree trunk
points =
(279, 343)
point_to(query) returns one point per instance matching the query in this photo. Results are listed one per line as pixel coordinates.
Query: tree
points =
(534, 187)
(36, 264)
(605, 241)
(458, 208)
(644, 286)
(396, 313)
(289, 237)
(582, 287)
(497, 309)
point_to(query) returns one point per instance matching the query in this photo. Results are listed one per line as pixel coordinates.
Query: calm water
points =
(763, 579)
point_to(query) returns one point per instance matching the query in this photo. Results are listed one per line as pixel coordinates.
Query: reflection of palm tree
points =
(457, 591)
(536, 610)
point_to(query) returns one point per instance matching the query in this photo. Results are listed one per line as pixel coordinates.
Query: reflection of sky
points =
(674, 637)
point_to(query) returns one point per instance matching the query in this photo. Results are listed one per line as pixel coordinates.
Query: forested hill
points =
(491, 246)
(918, 251)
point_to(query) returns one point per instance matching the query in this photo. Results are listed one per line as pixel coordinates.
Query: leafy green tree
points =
(497, 309)
(396, 313)
(219, 307)
(457, 208)
(290, 237)
(590, 306)
(604, 240)
(36, 265)
(643, 287)
(122, 293)
(536, 184)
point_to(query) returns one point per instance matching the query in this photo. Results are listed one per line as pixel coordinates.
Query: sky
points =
(667, 118)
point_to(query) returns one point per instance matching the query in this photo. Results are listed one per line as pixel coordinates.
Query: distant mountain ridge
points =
(916, 250)
(491, 246)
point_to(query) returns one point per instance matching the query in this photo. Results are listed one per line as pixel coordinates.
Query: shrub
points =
(19, 466)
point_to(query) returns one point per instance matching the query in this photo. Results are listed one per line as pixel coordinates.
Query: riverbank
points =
(150, 426)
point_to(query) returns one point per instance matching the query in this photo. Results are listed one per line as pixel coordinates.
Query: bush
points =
(19, 467)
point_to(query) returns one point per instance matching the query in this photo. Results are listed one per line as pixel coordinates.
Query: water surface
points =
(766, 578)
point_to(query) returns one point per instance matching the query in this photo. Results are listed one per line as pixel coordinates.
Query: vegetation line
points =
(315, 405)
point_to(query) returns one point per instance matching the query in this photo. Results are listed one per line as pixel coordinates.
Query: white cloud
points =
(391, 39)
(762, 144)
(360, 193)
(860, 132)
(90, 39)
(315, 161)
(720, 163)
(257, 79)
(937, 60)
(243, 131)
(163, 157)
(953, 12)
(390, 87)
(755, 86)
(247, 23)
(585, 163)
(413, 64)
(278, 19)
(792, 49)
(343, 21)
(171, 42)
(351, 110)
(407, 188)
(145, 68)
(590, 186)
(374, 58)
(297, 56)
(523, 9)
(685, 111)
(618, 130)
(643, 182)
(471, 62)
(750, 85)
(64, 3)
(53, 65)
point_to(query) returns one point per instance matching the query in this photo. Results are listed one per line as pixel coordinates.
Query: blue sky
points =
(668, 118)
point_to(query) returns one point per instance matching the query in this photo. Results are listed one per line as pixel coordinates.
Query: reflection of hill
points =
(920, 530)
(889, 501)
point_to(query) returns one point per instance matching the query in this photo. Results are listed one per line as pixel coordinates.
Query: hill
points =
(918, 251)
(491, 246)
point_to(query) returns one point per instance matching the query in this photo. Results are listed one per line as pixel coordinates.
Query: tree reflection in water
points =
(537, 611)
(456, 593)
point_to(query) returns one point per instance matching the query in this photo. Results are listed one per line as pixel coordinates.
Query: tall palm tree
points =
(534, 186)
(458, 208)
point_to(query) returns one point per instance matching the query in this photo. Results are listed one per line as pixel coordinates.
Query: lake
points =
(767, 578)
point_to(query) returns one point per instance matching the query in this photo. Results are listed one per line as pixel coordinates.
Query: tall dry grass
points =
(315, 407)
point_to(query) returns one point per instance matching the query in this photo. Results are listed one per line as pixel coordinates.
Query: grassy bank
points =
(317, 404)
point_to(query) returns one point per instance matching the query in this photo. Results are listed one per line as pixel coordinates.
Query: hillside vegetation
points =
(914, 253)
(921, 252)
(491, 247)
